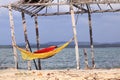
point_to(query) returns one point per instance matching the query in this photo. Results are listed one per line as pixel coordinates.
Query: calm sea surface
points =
(104, 58)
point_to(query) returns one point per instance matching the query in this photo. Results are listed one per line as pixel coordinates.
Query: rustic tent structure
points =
(36, 8)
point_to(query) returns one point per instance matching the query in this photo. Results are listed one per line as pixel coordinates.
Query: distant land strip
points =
(81, 45)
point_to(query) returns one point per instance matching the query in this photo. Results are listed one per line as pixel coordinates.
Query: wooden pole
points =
(75, 36)
(58, 6)
(25, 35)
(26, 39)
(13, 36)
(37, 39)
(86, 59)
(91, 37)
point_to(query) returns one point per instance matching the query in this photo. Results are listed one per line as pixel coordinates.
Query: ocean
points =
(105, 58)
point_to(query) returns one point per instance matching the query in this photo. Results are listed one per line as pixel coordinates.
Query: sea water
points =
(104, 58)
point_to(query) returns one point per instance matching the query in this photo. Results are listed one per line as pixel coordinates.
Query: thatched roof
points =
(32, 9)
(33, 1)
(35, 7)
(36, 1)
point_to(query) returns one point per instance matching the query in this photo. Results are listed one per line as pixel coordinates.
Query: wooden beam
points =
(25, 35)
(37, 39)
(86, 59)
(69, 3)
(40, 8)
(91, 36)
(26, 40)
(75, 37)
(78, 12)
(21, 10)
(79, 7)
(99, 6)
(29, 1)
(58, 6)
(13, 37)
(110, 6)
(37, 11)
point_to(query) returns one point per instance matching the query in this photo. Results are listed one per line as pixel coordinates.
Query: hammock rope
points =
(27, 55)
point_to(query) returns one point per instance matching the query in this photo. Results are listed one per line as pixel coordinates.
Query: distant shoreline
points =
(69, 46)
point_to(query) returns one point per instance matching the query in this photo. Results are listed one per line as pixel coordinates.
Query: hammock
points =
(43, 50)
(26, 55)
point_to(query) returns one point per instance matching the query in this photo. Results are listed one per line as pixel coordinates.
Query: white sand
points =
(96, 74)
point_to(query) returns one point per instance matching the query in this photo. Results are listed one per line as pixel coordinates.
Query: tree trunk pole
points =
(75, 37)
(25, 35)
(91, 37)
(86, 58)
(58, 6)
(13, 37)
(26, 40)
(37, 39)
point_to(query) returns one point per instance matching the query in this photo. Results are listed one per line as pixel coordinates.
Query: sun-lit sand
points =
(96, 74)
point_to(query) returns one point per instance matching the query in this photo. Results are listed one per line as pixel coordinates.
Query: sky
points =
(106, 27)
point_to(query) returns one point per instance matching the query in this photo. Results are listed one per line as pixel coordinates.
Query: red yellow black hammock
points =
(26, 55)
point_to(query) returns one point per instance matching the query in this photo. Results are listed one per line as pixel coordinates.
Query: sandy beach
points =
(96, 74)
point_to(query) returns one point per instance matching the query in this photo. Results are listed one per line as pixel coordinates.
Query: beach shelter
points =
(34, 8)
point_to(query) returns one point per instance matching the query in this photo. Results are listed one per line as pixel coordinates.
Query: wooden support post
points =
(75, 36)
(86, 59)
(13, 36)
(37, 39)
(58, 6)
(91, 37)
(25, 35)
(26, 39)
